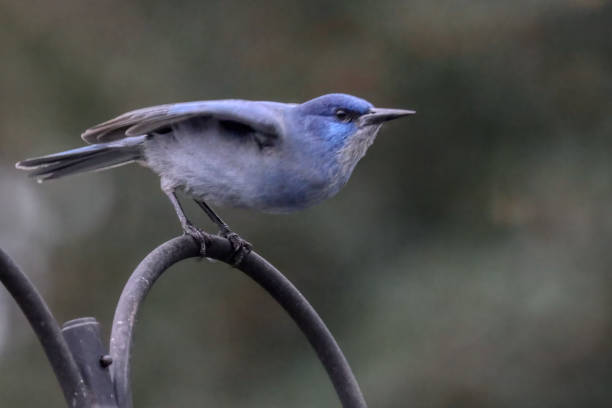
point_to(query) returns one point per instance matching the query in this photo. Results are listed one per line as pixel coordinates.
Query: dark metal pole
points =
(85, 342)
(313, 327)
(253, 265)
(134, 292)
(46, 328)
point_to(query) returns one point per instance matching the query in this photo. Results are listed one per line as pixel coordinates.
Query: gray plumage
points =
(267, 156)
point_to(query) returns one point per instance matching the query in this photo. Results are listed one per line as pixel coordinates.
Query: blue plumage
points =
(267, 156)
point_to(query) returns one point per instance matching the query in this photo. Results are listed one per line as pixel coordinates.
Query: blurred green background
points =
(466, 264)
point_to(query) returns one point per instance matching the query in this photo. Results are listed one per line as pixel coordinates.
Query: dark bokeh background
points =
(466, 264)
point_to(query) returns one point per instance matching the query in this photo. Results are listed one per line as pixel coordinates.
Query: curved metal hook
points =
(258, 269)
(48, 331)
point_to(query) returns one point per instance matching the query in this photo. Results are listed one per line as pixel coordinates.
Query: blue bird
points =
(267, 156)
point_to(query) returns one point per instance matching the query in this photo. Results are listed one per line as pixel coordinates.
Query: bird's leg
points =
(188, 227)
(240, 246)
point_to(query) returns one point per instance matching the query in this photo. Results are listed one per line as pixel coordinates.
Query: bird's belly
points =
(229, 177)
(269, 191)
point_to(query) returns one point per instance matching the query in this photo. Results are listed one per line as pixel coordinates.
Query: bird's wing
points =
(264, 117)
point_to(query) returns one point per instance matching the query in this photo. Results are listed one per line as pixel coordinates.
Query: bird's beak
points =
(380, 115)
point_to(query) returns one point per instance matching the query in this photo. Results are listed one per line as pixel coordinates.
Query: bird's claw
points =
(198, 235)
(240, 247)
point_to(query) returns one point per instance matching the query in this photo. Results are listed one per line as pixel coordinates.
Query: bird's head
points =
(340, 118)
(348, 125)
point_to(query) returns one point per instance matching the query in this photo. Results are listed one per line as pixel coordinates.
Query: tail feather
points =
(85, 151)
(89, 158)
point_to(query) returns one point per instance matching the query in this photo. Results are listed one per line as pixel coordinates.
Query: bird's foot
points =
(240, 247)
(198, 235)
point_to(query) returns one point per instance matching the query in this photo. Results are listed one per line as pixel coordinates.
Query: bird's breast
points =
(294, 188)
(232, 173)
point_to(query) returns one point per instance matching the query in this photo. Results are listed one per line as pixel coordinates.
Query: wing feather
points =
(264, 117)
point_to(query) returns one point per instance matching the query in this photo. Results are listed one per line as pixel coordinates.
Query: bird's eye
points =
(343, 115)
